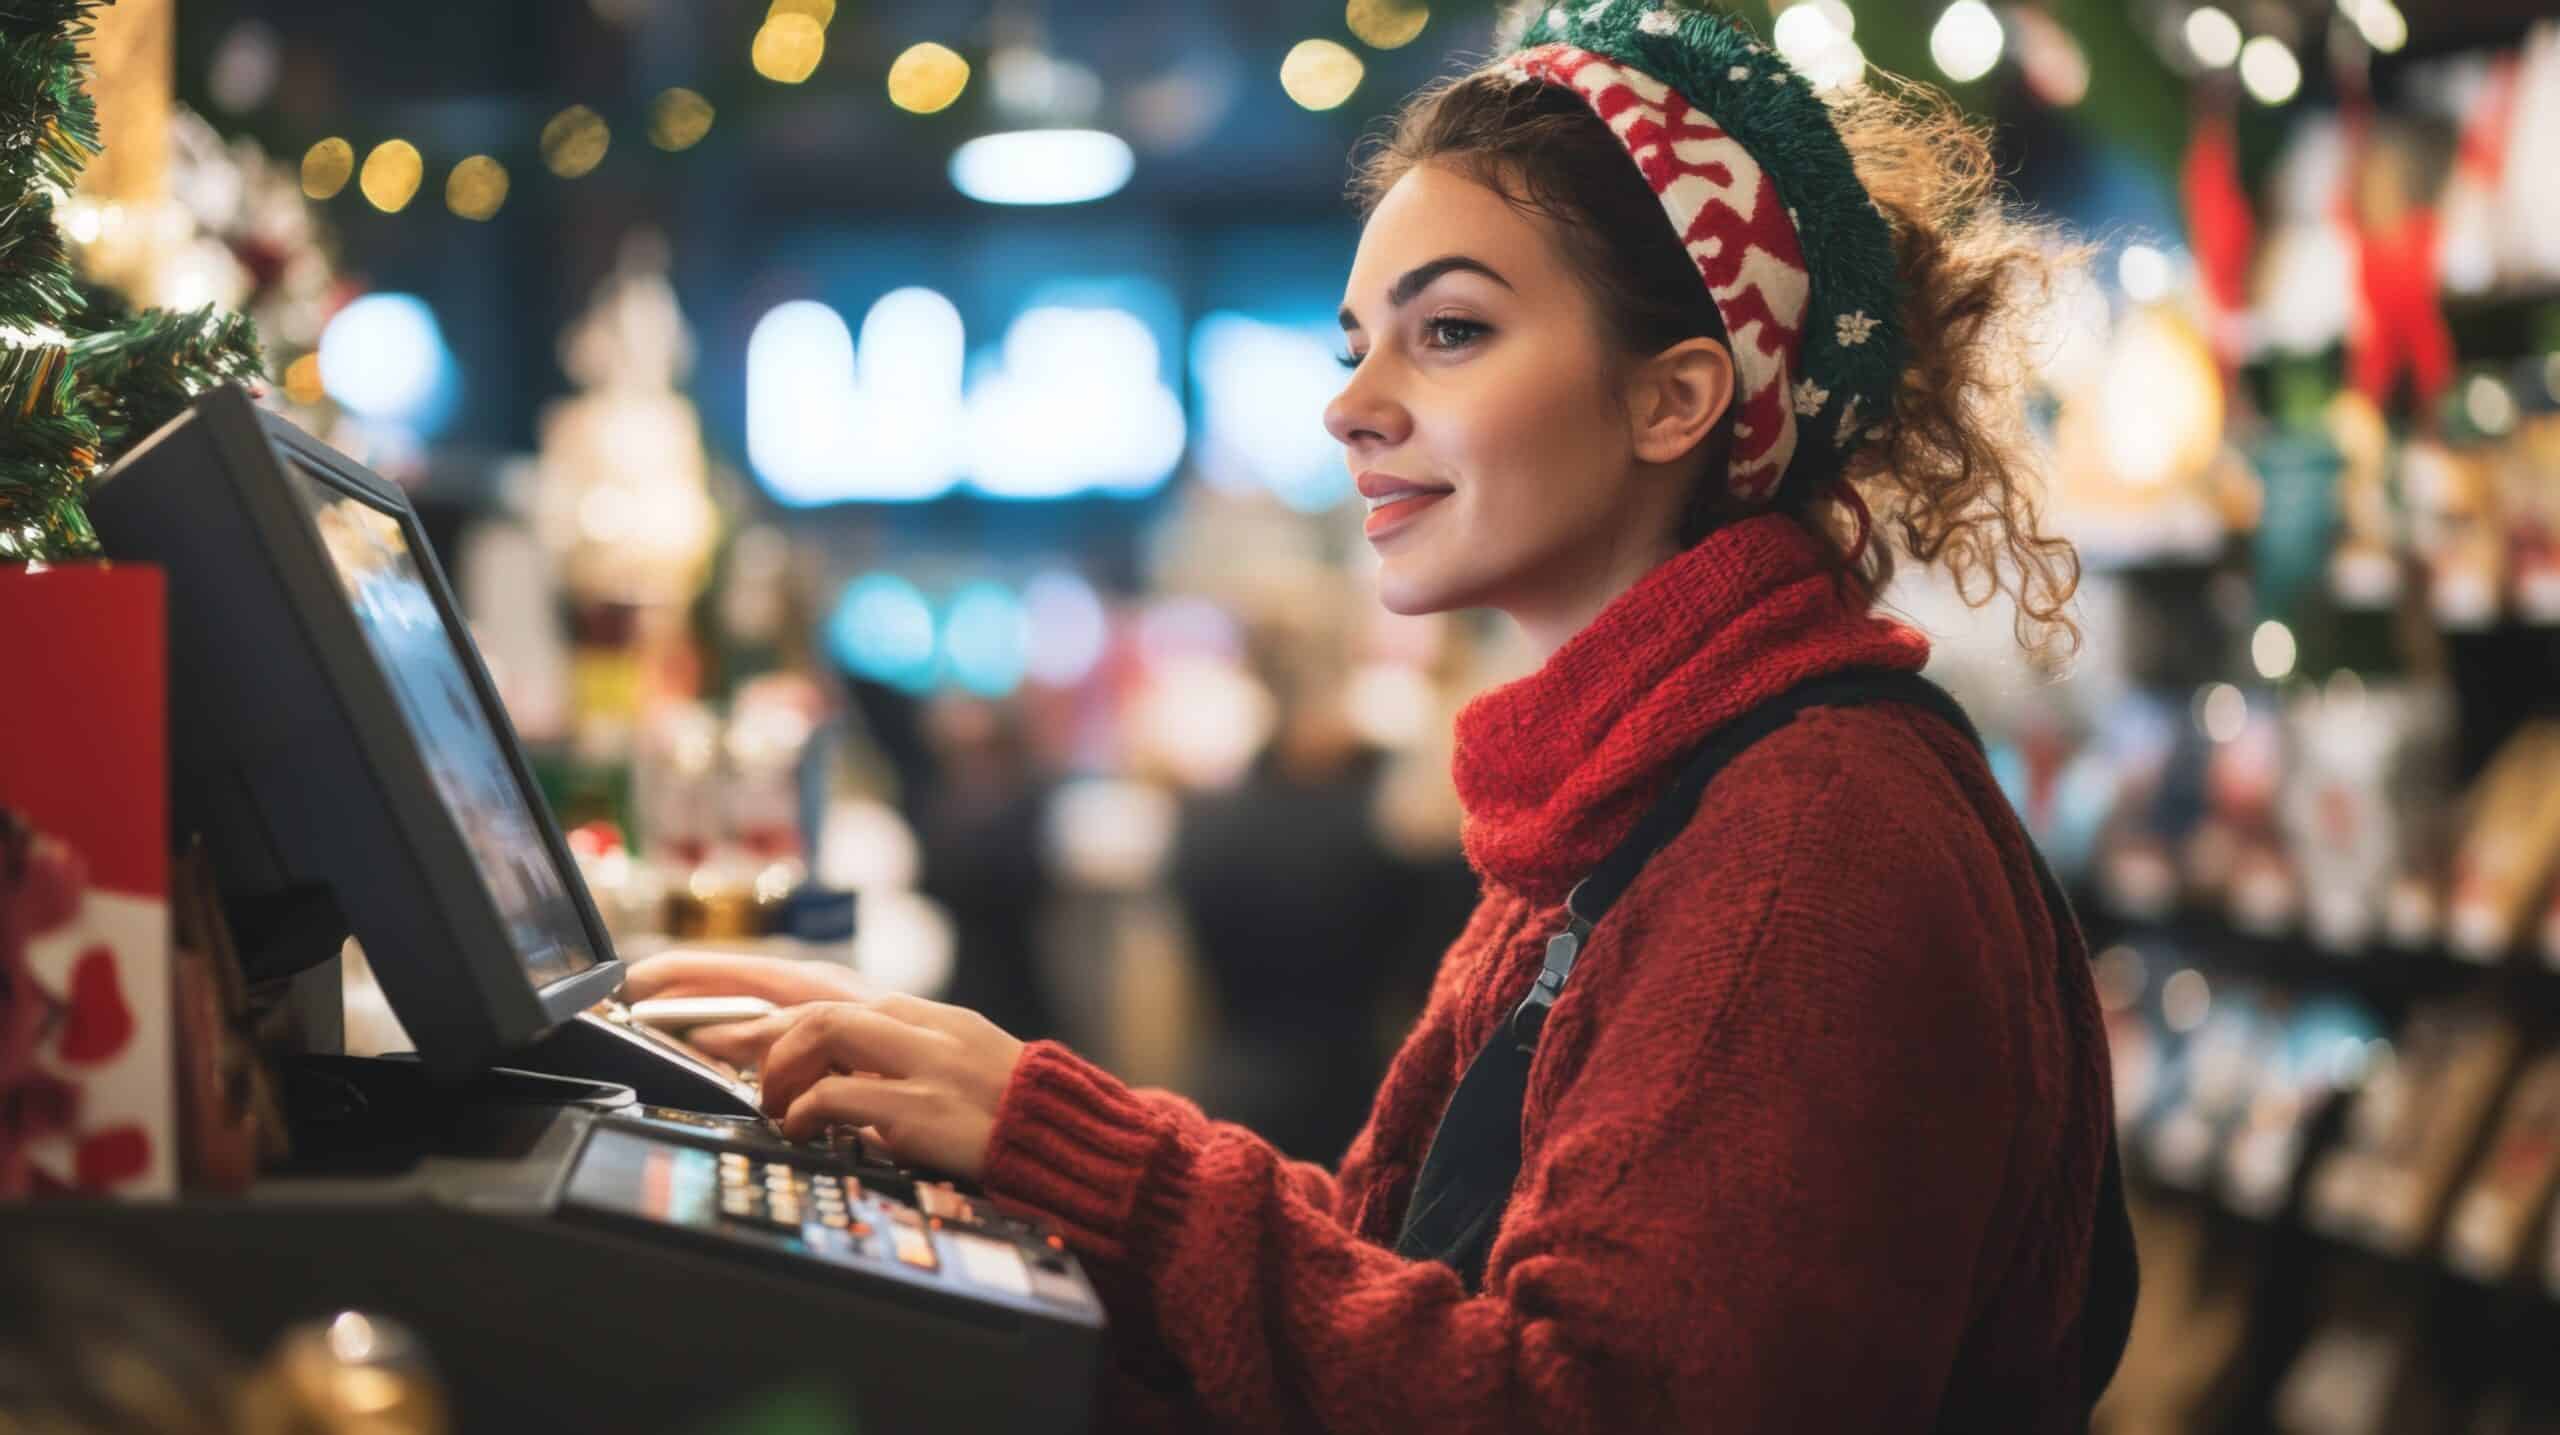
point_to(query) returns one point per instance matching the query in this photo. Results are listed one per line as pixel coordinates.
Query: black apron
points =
(1474, 1157)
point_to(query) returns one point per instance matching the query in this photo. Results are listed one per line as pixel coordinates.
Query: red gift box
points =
(86, 1086)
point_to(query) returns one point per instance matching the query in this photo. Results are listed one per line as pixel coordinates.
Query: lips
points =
(1388, 515)
(1376, 486)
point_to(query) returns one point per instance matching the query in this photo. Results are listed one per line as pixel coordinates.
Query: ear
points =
(1676, 397)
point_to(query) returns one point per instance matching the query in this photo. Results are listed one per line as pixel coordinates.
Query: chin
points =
(1409, 594)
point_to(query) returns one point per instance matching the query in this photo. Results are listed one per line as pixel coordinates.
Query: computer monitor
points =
(332, 731)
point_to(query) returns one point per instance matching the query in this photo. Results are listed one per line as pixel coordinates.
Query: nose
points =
(1366, 414)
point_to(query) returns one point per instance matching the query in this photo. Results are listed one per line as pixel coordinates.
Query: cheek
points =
(1538, 437)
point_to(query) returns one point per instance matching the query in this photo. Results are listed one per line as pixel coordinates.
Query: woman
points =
(1814, 1140)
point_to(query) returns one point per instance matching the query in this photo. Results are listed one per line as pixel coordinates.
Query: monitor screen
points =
(369, 550)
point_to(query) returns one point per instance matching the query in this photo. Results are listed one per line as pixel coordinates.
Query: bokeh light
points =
(824, 427)
(327, 166)
(574, 142)
(2222, 711)
(2269, 70)
(986, 639)
(1320, 74)
(476, 188)
(302, 380)
(392, 174)
(882, 629)
(1967, 41)
(2213, 37)
(789, 47)
(1068, 628)
(2273, 650)
(927, 78)
(1386, 24)
(383, 356)
(2186, 999)
(678, 119)
(1078, 404)
(1260, 386)
(1043, 167)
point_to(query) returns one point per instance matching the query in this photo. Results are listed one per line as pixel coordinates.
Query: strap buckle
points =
(1530, 1017)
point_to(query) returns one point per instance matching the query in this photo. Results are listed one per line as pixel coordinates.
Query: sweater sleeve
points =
(1763, 1194)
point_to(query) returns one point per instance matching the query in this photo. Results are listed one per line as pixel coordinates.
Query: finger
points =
(743, 1043)
(866, 1101)
(916, 1011)
(841, 1036)
(696, 974)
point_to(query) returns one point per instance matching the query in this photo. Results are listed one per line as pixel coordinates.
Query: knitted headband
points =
(1758, 186)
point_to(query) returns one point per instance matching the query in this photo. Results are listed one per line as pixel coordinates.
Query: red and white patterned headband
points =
(1727, 213)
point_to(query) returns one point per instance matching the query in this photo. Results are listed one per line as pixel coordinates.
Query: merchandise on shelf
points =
(2363, 809)
(2413, 1126)
(2509, 848)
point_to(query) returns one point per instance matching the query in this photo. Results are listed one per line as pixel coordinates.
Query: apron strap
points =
(1473, 1161)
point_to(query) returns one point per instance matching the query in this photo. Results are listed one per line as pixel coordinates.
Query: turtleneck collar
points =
(1554, 768)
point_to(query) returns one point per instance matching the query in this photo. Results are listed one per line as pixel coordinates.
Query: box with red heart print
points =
(86, 1087)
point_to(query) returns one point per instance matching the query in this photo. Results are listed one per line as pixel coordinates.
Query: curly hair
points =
(1953, 478)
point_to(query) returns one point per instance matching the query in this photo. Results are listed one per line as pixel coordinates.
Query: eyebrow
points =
(1419, 278)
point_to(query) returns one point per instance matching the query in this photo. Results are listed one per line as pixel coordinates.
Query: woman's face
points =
(1485, 420)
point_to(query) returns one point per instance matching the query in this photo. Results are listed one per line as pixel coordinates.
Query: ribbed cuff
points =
(1074, 1142)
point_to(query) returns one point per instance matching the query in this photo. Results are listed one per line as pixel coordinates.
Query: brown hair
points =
(1951, 477)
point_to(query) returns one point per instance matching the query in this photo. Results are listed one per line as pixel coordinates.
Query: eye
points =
(1453, 333)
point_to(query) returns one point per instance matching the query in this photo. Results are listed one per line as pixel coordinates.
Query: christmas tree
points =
(82, 375)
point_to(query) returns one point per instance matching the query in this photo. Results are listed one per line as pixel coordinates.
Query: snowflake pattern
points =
(1847, 433)
(1738, 73)
(1855, 329)
(1810, 397)
(1555, 18)
(1658, 22)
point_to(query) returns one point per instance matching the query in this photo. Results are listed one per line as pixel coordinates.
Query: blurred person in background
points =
(977, 815)
(1298, 912)
(1651, 348)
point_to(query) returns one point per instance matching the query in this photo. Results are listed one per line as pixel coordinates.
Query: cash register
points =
(588, 1222)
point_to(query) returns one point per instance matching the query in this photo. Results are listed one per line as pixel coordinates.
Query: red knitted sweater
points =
(1812, 1141)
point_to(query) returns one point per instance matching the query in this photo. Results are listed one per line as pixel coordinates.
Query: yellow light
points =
(789, 47)
(391, 175)
(1387, 24)
(822, 11)
(1320, 74)
(927, 78)
(476, 188)
(302, 380)
(327, 166)
(575, 141)
(678, 119)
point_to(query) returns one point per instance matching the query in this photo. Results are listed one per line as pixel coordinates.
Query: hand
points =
(924, 1076)
(790, 984)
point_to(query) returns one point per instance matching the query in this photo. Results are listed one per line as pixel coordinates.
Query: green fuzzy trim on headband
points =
(1754, 95)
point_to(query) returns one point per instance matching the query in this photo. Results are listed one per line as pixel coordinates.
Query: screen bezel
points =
(444, 857)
